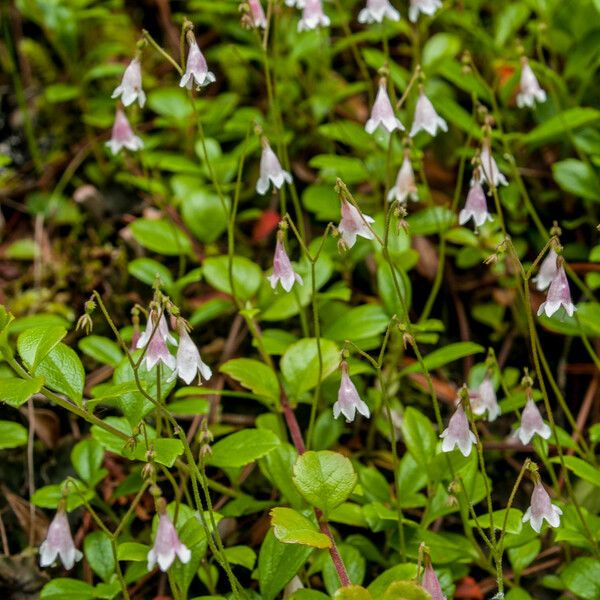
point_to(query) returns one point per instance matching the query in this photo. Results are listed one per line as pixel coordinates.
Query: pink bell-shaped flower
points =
(188, 361)
(427, 7)
(348, 401)
(485, 400)
(312, 16)
(354, 223)
(541, 508)
(122, 135)
(376, 11)
(382, 113)
(431, 583)
(458, 433)
(405, 186)
(196, 69)
(283, 271)
(558, 295)
(270, 170)
(531, 423)
(130, 89)
(426, 119)
(157, 343)
(257, 14)
(166, 546)
(59, 542)
(475, 206)
(529, 88)
(548, 271)
(489, 168)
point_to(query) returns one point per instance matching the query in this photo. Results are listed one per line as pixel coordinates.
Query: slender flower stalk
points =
(382, 113)
(530, 91)
(122, 135)
(349, 402)
(59, 542)
(130, 88)
(353, 224)
(377, 10)
(541, 508)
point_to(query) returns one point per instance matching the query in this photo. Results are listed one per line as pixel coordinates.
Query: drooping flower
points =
(270, 170)
(122, 135)
(486, 400)
(548, 271)
(349, 401)
(489, 168)
(541, 508)
(382, 113)
(475, 206)
(297, 3)
(312, 16)
(130, 89)
(405, 186)
(157, 343)
(529, 88)
(531, 423)
(196, 69)
(376, 11)
(59, 542)
(354, 223)
(257, 14)
(427, 7)
(426, 119)
(558, 295)
(431, 583)
(458, 433)
(283, 271)
(189, 364)
(167, 545)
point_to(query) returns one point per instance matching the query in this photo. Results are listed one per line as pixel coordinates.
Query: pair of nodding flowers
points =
(382, 114)
(376, 10)
(130, 90)
(187, 364)
(59, 542)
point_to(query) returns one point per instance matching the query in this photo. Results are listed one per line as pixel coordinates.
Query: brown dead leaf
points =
(22, 509)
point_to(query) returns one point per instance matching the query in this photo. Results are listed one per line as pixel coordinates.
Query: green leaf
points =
(277, 467)
(63, 588)
(300, 364)
(204, 215)
(255, 376)
(16, 392)
(102, 349)
(324, 478)
(241, 555)
(161, 236)
(243, 447)
(419, 436)
(61, 369)
(278, 563)
(514, 523)
(522, 556)
(397, 573)
(439, 47)
(430, 220)
(442, 356)
(191, 406)
(582, 469)
(582, 577)
(49, 496)
(358, 323)
(170, 102)
(576, 177)
(587, 318)
(290, 527)
(352, 592)
(24, 249)
(509, 20)
(146, 270)
(247, 276)
(98, 552)
(554, 128)
(12, 435)
(351, 170)
(405, 590)
(87, 457)
(36, 343)
(133, 551)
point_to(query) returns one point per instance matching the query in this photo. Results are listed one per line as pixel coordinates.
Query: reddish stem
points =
(292, 423)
